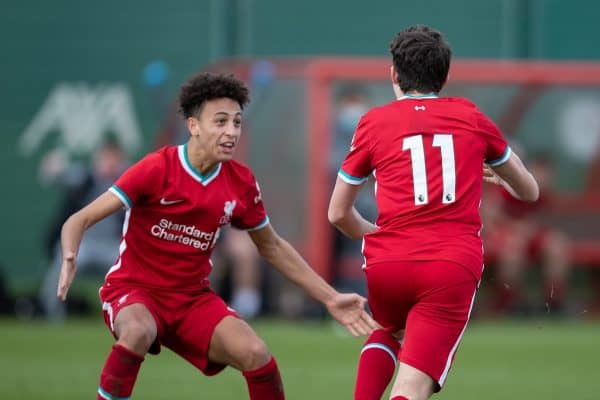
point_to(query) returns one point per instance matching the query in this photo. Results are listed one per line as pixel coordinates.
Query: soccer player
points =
(177, 200)
(423, 257)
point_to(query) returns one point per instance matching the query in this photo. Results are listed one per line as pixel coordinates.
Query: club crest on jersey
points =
(228, 210)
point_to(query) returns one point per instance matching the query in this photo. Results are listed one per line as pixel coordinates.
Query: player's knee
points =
(255, 355)
(137, 336)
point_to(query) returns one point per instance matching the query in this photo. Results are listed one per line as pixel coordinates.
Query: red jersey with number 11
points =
(426, 154)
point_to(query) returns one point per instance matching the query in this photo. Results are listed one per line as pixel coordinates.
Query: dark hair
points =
(421, 58)
(205, 87)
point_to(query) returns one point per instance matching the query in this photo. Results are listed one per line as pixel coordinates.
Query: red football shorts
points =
(432, 301)
(185, 321)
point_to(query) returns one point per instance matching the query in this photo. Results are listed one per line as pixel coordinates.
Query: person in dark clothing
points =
(99, 248)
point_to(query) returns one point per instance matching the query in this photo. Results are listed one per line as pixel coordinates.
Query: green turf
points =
(502, 360)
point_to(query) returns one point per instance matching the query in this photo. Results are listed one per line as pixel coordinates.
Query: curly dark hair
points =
(205, 87)
(421, 58)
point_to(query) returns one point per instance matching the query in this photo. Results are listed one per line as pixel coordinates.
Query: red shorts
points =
(432, 301)
(185, 321)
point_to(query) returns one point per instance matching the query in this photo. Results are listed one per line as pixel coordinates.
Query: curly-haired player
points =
(177, 200)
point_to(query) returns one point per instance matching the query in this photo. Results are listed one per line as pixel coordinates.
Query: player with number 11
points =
(423, 258)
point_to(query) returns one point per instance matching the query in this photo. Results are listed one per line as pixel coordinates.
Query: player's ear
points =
(192, 125)
(395, 82)
(394, 75)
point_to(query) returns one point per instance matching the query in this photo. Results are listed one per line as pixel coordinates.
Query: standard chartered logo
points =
(185, 234)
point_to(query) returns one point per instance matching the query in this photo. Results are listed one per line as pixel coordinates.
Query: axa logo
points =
(228, 212)
(82, 115)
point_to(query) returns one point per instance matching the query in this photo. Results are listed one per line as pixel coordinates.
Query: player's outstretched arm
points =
(514, 177)
(342, 213)
(347, 308)
(72, 232)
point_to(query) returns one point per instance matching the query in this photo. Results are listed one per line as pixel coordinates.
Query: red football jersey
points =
(174, 215)
(426, 154)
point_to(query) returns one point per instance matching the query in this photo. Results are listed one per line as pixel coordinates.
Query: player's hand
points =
(490, 176)
(67, 274)
(349, 310)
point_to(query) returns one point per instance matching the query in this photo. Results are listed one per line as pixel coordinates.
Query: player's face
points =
(217, 128)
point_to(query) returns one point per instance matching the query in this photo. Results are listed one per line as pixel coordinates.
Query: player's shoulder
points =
(238, 170)
(461, 101)
(160, 159)
(161, 155)
(374, 117)
(380, 111)
(467, 105)
(157, 163)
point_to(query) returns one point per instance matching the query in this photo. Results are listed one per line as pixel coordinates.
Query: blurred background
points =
(89, 87)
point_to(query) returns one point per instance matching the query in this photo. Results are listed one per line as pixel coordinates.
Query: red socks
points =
(376, 365)
(119, 373)
(265, 383)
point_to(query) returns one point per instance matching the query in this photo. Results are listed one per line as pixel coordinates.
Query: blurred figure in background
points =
(517, 236)
(99, 248)
(352, 102)
(240, 265)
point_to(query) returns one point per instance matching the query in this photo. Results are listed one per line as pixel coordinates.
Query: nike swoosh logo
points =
(166, 202)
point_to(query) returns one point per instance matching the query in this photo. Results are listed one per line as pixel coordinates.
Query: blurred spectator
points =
(350, 105)
(239, 273)
(516, 236)
(99, 248)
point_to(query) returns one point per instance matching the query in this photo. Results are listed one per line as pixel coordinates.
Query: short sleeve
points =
(137, 181)
(497, 149)
(253, 215)
(356, 167)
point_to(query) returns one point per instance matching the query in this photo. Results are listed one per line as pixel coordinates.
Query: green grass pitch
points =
(501, 360)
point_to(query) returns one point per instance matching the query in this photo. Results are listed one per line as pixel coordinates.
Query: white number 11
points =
(417, 155)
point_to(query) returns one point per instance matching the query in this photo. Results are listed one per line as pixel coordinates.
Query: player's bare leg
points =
(412, 384)
(136, 330)
(235, 343)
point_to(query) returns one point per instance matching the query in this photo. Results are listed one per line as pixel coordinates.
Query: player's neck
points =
(413, 94)
(197, 157)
